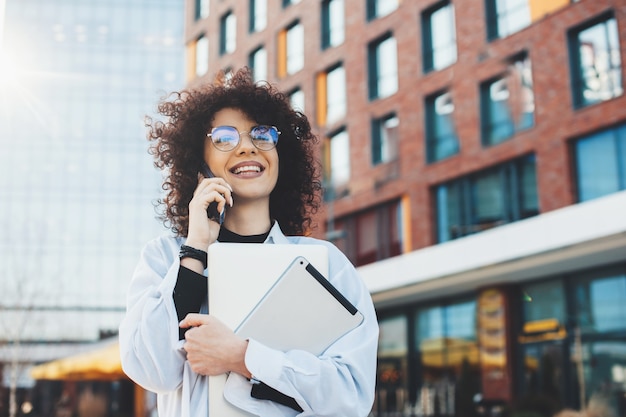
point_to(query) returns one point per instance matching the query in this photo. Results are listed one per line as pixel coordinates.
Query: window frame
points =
(373, 11)
(378, 140)
(255, 23)
(375, 72)
(324, 116)
(510, 175)
(201, 9)
(433, 139)
(252, 56)
(577, 78)
(492, 20)
(618, 140)
(225, 39)
(328, 28)
(497, 122)
(428, 47)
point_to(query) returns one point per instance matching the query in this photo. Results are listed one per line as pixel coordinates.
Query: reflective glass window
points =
(439, 37)
(505, 17)
(258, 15)
(601, 163)
(385, 139)
(333, 23)
(295, 48)
(487, 199)
(380, 8)
(508, 103)
(335, 94)
(383, 67)
(597, 70)
(258, 64)
(441, 137)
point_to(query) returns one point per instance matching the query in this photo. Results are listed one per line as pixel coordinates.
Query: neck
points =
(248, 219)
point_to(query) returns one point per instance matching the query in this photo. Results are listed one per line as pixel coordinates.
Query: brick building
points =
(474, 156)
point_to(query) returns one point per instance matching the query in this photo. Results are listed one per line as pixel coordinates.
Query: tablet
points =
(302, 310)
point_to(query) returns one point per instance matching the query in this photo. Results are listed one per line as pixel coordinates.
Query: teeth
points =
(247, 168)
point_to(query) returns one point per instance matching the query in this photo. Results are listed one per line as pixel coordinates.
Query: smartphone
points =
(211, 211)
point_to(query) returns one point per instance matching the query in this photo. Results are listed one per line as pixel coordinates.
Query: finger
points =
(214, 184)
(193, 320)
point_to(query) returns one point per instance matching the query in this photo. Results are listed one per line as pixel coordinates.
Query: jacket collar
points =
(276, 235)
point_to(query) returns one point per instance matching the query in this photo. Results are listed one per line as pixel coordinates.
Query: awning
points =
(100, 364)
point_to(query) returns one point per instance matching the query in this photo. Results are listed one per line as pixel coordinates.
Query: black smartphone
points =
(211, 211)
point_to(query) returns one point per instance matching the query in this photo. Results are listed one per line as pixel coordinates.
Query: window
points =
(201, 56)
(393, 366)
(439, 37)
(287, 3)
(258, 64)
(385, 139)
(290, 50)
(333, 30)
(505, 17)
(596, 62)
(336, 161)
(383, 67)
(228, 33)
(296, 98)
(508, 103)
(601, 163)
(258, 15)
(600, 298)
(295, 48)
(331, 96)
(373, 234)
(446, 345)
(585, 312)
(486, 199)
(441, 138)
(201, 9)
(380, 8)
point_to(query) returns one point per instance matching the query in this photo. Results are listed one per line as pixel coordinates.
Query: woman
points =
(256, 164)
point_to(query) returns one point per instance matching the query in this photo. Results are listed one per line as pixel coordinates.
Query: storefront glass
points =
(391, 384)
(600, 363)
(573, 344)
(447, 360)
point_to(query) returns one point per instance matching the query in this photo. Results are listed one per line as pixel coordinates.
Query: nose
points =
(245, 145)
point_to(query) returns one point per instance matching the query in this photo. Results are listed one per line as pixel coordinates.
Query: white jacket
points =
(339, 382)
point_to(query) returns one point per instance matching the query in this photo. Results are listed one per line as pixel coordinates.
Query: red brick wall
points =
(545, 41)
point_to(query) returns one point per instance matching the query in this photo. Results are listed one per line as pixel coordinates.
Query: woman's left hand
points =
(212, 348)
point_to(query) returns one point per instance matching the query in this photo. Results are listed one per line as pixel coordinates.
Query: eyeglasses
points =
(226, 138)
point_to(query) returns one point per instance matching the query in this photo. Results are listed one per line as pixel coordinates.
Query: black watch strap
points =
(193, 253)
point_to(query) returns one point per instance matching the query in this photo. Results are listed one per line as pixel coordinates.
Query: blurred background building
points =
(77, 185)
(474, 156)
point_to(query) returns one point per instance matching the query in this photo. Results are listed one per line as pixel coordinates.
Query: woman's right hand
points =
(202, 230)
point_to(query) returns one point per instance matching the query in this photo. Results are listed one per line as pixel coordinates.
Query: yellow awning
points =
(100, 364)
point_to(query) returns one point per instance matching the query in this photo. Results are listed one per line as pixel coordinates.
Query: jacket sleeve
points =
(340, 382)
(150, 349)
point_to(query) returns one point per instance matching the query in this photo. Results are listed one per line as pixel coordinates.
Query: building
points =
(475, 163)
(77, 184)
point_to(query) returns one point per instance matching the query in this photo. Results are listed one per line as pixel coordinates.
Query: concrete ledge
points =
(572, 238)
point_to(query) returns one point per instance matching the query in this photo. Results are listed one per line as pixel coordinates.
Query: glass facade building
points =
(77, 185)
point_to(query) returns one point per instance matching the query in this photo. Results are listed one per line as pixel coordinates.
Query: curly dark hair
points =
(178, 148)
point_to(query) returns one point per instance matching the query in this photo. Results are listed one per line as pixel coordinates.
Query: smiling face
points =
(252, 173)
